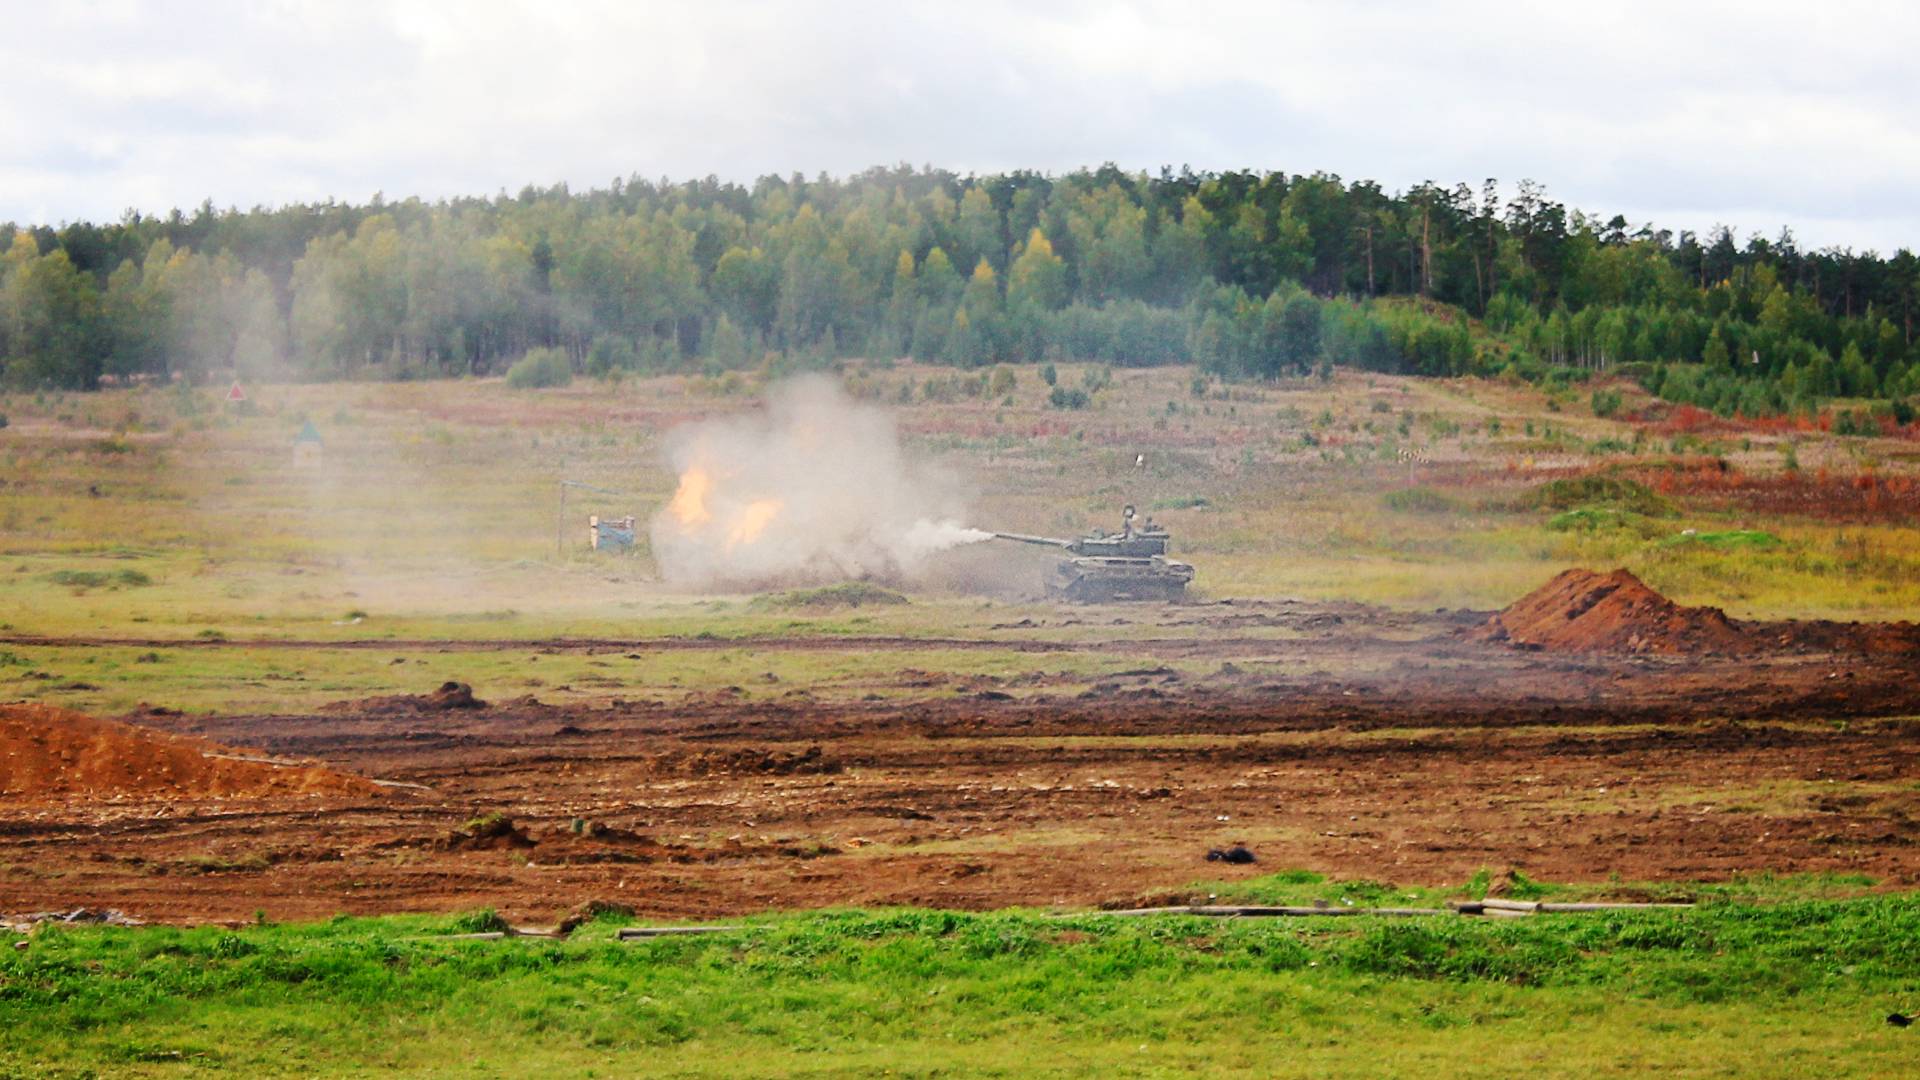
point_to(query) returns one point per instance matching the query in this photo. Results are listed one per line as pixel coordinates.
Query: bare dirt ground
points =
(1366, 744)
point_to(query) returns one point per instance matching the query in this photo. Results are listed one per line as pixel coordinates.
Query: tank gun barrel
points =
(1043, 541)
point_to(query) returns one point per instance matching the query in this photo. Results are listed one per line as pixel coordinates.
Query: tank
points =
(1131, 564)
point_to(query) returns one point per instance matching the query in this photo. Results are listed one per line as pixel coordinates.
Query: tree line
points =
(1247, 274)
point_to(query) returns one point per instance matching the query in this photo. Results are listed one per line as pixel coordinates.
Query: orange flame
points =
(689, 505)
(753, 520)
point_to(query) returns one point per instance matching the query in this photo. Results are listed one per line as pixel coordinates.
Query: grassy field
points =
(160, 515)
(1796, 987)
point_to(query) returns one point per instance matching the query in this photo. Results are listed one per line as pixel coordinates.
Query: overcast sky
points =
(1757, 115)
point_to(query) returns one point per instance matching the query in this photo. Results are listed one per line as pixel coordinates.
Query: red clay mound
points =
(1584, 611)
(47, 752)
(451, 695)
(1870, 638)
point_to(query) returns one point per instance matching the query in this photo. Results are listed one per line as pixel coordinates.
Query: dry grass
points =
(434, 511)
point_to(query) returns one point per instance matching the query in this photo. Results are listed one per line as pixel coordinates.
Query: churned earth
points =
(1351, 740)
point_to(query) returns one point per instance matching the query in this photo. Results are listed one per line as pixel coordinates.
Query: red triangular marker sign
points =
(236, 394)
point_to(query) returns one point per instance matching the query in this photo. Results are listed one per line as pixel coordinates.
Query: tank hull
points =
(1099, 580)
(1102, 567)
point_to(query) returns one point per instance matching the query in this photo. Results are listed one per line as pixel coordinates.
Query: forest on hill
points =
(1250, 275)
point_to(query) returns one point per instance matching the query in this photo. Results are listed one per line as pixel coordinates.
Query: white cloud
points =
(1755, 115)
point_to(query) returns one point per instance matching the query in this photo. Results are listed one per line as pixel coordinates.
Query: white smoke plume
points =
(815, 488)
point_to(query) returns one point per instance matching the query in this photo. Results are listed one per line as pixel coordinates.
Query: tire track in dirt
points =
(555, 645)
(1409, 760)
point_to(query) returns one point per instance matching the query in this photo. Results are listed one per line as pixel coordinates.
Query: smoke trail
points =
(814, 488)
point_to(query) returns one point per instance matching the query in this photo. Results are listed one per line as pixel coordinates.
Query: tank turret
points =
(1131, 564)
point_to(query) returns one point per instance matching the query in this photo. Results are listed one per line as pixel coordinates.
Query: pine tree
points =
(1714, 354)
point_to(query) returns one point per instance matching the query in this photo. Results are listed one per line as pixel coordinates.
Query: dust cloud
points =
(814, 488)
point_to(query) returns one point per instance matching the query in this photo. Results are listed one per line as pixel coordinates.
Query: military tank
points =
(1131, 564)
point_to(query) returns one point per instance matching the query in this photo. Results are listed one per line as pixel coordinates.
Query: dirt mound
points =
(451, 695)
(1585, 611)
(808, 762)
(1821, 635)
(57, 752)
(493, 832)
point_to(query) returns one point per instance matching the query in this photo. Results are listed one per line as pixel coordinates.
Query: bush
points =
(1606, 403)
(484, 921)
(97, 579)
(1589, 519)
(1852, 422)
(1420, 500)
(608, 355)
(953, 387)
(540, 368)
(1063, 398)
(1597, 490)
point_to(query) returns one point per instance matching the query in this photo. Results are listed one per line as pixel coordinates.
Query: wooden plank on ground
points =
(639, 933)
(1605, 906)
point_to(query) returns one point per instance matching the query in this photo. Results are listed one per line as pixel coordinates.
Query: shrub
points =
(608, 355)
(1596, 490)
(1063, 398)
(953, 387)
(484, 921)
(540, 368)
(1854, 423)
(1591, 519)
(1420, 500)
(1606, 403)
(94, 579)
